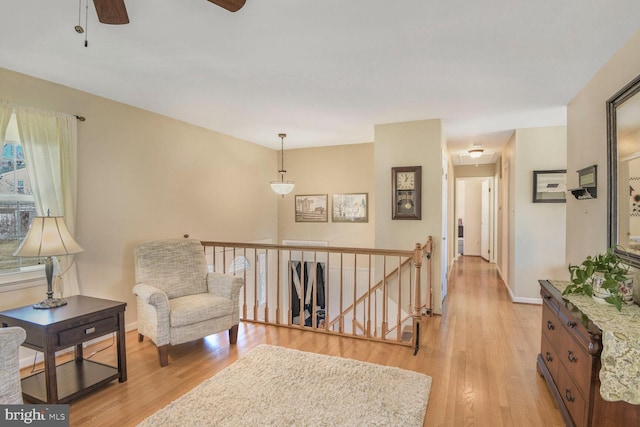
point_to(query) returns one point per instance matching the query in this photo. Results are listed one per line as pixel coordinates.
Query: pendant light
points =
(282, 187)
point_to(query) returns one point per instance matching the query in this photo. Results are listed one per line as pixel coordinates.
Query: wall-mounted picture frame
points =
(351, 207)
(406, 192)
(550, 186)
(311, 208)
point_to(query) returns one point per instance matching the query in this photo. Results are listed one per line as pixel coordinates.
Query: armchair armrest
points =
(11, 338)
(225, 285)
(153, 313)
(10, 389)
(151, 295)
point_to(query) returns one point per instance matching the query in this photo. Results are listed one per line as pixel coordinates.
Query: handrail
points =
(335, 249)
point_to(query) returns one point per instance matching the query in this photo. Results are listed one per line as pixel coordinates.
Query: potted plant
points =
(599, 276)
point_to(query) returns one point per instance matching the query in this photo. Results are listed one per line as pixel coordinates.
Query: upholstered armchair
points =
(178, 300)
(10, 388)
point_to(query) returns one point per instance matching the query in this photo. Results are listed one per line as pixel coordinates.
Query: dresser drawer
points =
(86, 332)
(551, 327)
(578, 363)
(571, 396)
(549, 356)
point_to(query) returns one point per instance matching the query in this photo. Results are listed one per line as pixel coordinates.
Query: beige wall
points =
(531, 235)
(539, 229)
(329, 170)
(144, 176)
(587, 145)
(417, 143)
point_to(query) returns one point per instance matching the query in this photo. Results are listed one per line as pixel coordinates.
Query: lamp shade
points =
(281, 187)
(48, 236)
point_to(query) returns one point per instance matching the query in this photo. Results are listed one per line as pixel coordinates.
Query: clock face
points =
(405, 180)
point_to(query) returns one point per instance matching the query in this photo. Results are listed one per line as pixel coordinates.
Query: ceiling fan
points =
(114, 11)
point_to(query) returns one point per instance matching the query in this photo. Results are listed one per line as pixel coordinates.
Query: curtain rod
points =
(80, 118)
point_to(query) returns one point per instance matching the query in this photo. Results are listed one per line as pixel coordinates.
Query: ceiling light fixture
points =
(474, 153)
(282, 187)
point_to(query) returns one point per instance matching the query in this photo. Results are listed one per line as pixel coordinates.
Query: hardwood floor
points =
(481, 355)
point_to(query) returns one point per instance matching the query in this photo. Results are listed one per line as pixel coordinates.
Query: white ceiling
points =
(326, 71)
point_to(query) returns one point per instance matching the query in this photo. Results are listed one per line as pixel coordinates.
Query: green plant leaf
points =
(616, 300)
(588, 289)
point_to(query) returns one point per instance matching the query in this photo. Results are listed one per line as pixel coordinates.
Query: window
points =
(17, 204)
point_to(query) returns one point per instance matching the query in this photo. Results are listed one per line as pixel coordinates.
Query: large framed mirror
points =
(623, 138)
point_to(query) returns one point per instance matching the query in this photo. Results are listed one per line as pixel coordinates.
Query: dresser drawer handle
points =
(571, 357)
(550, 325)
(568, 395)
(549, 357)
(547, 297)
(89, 330)
(571, 324)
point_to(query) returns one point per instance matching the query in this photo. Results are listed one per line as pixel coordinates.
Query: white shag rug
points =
(276, 386)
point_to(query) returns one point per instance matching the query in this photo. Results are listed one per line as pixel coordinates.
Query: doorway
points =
(475, 216)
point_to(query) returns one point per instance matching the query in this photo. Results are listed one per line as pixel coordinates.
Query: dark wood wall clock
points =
(406, 192)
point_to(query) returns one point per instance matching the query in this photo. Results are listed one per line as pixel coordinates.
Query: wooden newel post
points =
(417, 298)
(417, 262)
(428, 250)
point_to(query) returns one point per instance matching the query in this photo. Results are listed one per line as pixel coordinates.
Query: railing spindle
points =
(278, 295)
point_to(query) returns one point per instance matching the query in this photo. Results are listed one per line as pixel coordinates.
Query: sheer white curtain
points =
(49, 140)
(6, 110)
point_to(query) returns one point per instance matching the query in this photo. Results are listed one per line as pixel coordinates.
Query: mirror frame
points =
(624, 94)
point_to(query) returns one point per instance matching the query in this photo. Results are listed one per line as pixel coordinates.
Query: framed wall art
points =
(550, 186)
(311, 208)
(406, 192)
(353, 207)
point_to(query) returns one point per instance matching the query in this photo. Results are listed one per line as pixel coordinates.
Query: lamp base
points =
(50, 303)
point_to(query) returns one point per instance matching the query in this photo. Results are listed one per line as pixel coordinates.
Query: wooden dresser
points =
(569, 361)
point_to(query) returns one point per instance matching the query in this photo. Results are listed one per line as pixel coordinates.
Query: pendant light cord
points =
(282, 171)
(86, 22)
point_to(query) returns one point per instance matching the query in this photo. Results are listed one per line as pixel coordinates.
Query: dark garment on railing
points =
(305, 278)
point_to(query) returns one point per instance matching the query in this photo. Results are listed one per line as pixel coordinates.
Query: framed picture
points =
(352, 207)
(311, 208)
(550, 186)
(406, 192)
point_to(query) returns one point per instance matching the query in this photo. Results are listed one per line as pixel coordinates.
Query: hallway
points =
(485, 350)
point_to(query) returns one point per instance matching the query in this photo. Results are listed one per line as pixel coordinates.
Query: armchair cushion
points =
(197, 308)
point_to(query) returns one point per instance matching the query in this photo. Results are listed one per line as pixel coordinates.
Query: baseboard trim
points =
(534, 301)
(522, 300)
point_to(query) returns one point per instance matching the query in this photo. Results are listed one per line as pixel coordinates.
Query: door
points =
(485, 220)
(444, 230)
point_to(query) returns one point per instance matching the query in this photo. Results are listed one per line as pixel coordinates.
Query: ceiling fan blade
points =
(111, 12)
(230, 5)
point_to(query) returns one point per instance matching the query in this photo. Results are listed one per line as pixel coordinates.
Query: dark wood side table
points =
(82, 319)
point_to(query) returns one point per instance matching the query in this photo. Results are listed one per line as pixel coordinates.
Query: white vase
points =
(599, 293)
(626, 290)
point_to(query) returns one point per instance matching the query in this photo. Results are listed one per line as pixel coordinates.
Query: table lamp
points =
(48, 236)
